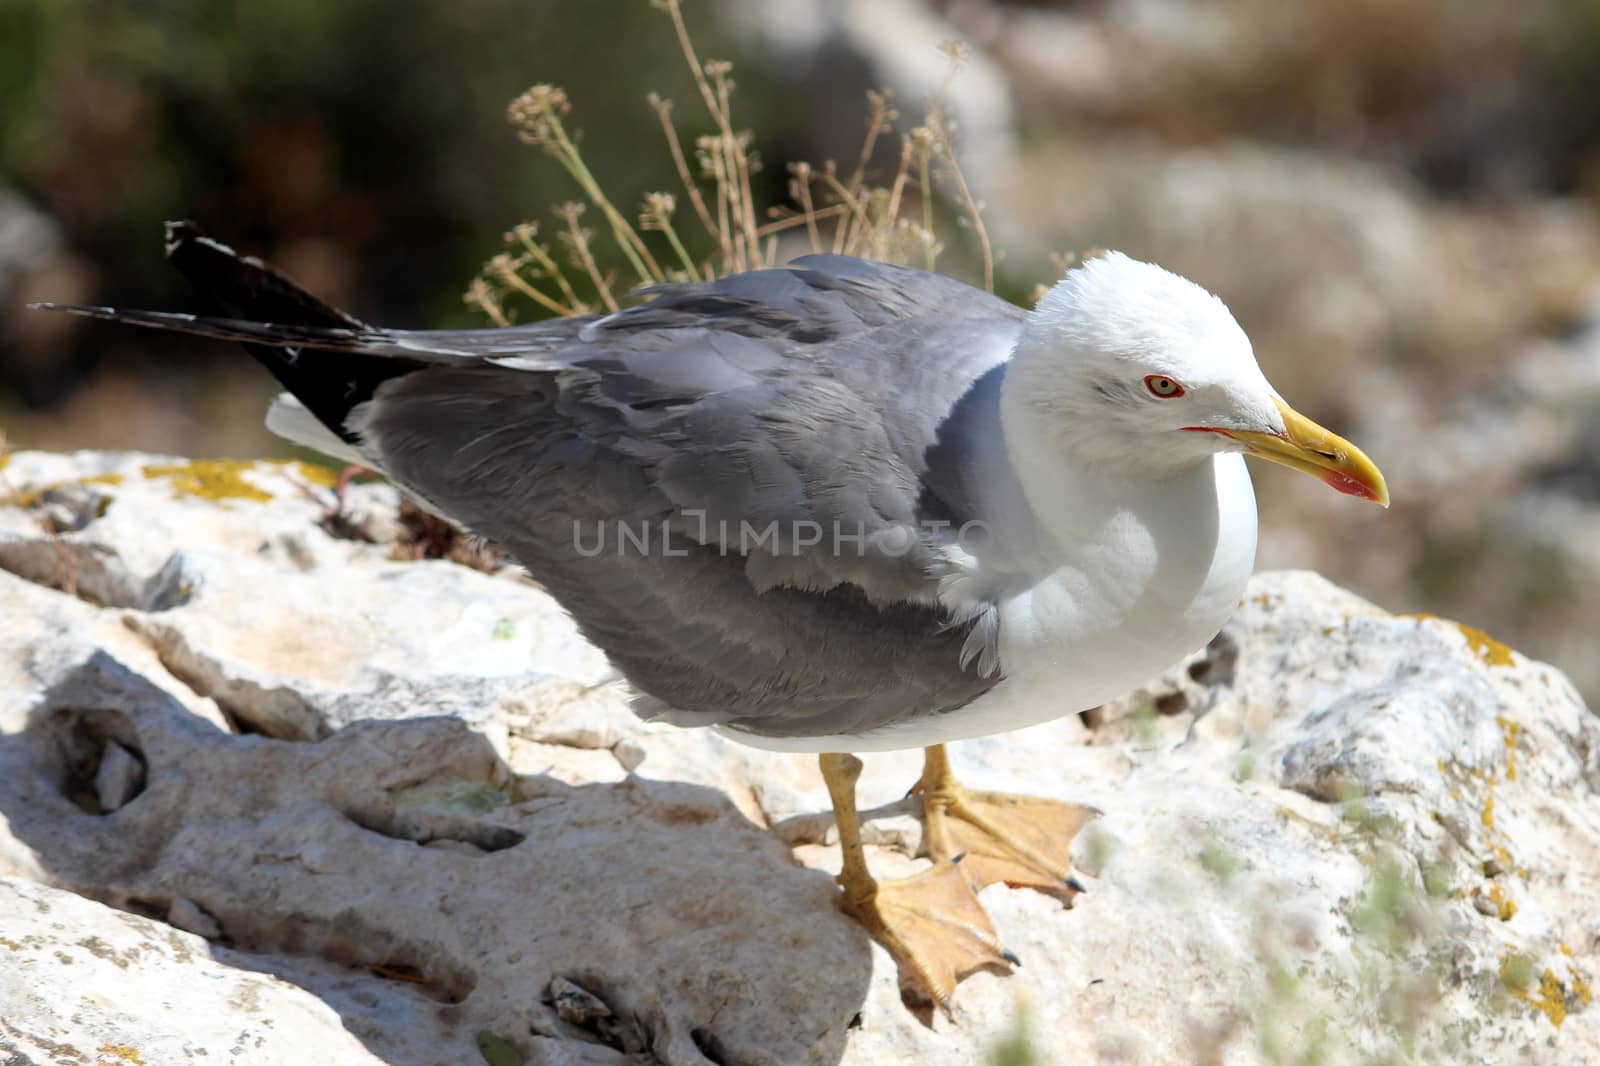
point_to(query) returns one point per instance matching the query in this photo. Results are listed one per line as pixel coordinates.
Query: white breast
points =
(1134, 583)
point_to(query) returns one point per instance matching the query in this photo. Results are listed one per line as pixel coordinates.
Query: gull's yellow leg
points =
(1021, 840)
(932, 923)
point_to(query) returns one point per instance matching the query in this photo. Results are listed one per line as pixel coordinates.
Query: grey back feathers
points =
(733, 423)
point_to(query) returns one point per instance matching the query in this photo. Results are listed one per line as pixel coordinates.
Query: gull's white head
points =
(1141, 372)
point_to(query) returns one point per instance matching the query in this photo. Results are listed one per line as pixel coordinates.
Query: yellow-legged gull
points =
(838, 507)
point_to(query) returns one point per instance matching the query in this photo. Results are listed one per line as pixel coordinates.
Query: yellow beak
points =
(1311, 449)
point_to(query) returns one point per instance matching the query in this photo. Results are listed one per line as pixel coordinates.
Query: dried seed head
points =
(657, 210)
(537, 113)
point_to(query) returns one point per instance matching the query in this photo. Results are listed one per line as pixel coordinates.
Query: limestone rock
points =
(81, 982)
(119, 778)
(411, 790)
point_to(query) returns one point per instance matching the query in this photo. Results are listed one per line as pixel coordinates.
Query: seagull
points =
(838, 507)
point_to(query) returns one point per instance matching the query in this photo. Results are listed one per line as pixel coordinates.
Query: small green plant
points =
(1017, 1047)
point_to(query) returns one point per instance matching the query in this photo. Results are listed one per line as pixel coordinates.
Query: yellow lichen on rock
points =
(1548, 997)
(121, 1053)
(317, 475)
(1512, 731)
(1551, 998)
(211, 479)
(33, 497)
(1488, 649)
(1485, 647)
(1506, 909)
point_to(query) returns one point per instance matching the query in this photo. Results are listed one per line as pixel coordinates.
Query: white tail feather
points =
(289, 419)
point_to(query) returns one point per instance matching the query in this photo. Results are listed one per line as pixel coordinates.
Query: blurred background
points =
(1399, 199)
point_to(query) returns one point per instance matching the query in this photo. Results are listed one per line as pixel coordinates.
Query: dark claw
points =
(1011, 957)
(1076, 885)
(958, 858)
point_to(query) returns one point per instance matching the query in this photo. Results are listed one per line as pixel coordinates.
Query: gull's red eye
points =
(1163, 387)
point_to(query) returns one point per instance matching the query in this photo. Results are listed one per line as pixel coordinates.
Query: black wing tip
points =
(71, 309)
(178, 232)
(182, 232)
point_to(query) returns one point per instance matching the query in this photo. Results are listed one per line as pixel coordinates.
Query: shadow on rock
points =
(400, 872)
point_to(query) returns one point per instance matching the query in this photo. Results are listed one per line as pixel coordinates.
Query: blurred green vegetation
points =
(363, 140)
(362, 144)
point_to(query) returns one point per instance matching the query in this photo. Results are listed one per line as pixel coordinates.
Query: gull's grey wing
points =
(778, 400)
(784, 406)
(843, 395)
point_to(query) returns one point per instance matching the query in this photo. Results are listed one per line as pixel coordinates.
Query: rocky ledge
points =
(277, 787)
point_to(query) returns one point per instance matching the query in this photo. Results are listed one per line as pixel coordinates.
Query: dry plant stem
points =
(631, 244)
(66, 565)
(896, 193)
(797, 219)
(732, 251)
(924, 180)
(750, 228)
(552, 269)
(663, 109)
(974, 211)
(672, 8)
(506, 271)
(690, 269)
(578, 237)
(727, 172)
(736, 164)
(802, 186)
(865, 216)
(940, 130)
(876, 124)
(879, 121)
(842, 230)
(658, 216)
(844, 238)
(728, 208)
(861, 222)
(880, 242)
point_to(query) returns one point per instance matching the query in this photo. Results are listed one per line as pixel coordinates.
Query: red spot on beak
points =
(1348, 485)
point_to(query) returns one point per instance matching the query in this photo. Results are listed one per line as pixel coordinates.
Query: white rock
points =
(119, 777)
(82, 983)
(1336, 829)
(188, 915)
